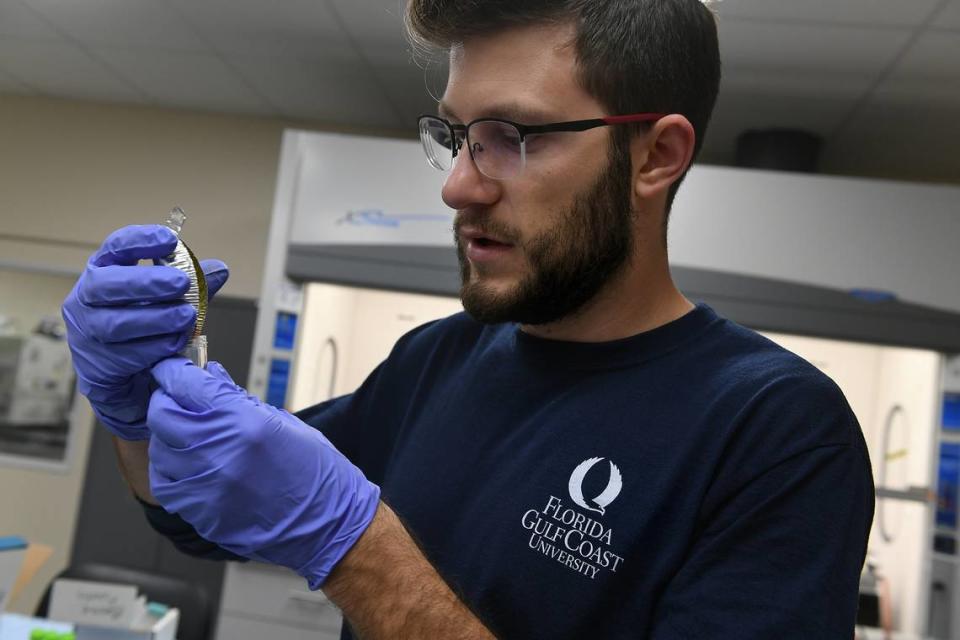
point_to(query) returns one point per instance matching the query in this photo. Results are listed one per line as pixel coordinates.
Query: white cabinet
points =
(262, 601)
(346, 332)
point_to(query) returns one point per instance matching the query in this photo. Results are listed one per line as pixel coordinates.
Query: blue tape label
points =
(951, 411)
(948, 485)
(285, 330)
(277, 382)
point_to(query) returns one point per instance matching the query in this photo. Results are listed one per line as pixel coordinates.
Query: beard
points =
(587, 245)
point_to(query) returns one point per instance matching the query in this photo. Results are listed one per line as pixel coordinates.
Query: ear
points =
(661, 156)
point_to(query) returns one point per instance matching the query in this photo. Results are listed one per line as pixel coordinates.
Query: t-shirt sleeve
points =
(781, 552)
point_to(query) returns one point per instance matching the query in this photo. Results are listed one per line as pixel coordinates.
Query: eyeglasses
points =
(499, 147)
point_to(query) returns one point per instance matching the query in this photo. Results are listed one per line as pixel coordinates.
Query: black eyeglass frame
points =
(532, 129)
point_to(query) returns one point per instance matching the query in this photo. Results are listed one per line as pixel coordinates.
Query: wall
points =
(71, 172)
(25, 298)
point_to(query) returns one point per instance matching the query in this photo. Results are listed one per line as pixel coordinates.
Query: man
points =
(585, 453)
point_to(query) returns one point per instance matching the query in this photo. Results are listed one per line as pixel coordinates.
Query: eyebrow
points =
(513, 111)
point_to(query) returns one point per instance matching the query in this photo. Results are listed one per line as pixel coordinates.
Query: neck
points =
(640, 298)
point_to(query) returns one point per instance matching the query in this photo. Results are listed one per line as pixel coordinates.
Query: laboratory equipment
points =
(36, 381)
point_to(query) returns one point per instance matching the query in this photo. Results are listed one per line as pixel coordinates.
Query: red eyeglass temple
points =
(637, 117)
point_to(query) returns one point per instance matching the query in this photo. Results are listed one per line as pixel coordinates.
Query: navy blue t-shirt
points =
(693, 481)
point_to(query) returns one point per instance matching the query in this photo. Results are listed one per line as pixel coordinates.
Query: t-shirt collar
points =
(616, 353)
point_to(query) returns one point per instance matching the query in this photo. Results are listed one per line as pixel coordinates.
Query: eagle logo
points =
(608, 495)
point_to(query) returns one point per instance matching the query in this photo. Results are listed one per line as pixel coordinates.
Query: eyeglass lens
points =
(438, 142)
(496, 147)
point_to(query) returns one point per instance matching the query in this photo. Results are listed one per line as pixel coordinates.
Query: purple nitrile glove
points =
(252, 478)
(122, 319)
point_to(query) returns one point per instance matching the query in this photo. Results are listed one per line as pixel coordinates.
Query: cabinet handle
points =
(333, 367)
(881, 515)
(305, 597)
(329, 346)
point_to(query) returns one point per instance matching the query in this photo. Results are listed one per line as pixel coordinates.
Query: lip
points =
(488, 253)
(471, 234)
(482, 252)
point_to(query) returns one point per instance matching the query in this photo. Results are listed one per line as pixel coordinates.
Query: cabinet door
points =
(907, 409)
(380, 319)
(346, 332)
(326, 326)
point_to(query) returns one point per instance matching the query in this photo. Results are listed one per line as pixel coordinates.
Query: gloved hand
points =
(252, 478)
(122, 319)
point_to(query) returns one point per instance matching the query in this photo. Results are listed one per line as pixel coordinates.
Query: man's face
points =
(537, 247)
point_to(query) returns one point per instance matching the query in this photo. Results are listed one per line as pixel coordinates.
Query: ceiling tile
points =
(791, 47)
(406, 86)
(926, 79)
(824, 84)
(373, 21)
(949, 16)
(935, 55)
(342, 93)
(131, 23)
(910, 92)
(183, 79)
(378, 30)
(251, 28)
(383, 54)
(863, 12)
(64, 70)
(18, 21)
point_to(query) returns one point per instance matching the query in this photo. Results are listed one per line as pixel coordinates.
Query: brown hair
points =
(634, 56)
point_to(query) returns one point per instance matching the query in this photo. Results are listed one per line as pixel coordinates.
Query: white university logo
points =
(608, 495)
(567, 535)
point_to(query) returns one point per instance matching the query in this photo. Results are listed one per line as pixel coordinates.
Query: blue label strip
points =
(285, 331)
(948, 484)
(951, 411)
(277, 382)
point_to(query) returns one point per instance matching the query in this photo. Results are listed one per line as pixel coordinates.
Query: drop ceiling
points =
(878, 79)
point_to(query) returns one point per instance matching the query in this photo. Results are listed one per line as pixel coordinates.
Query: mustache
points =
(484, 224)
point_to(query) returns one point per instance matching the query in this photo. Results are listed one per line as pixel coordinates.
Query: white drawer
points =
(264, 591)
(235, 628)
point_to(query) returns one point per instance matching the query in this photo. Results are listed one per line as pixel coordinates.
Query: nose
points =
(466, 186)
